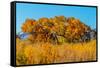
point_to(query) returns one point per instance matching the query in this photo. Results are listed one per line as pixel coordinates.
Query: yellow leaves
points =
(45, 27)
(59, 24)
(43, 20)
(28, 25)
(38, 49)
(75, 28)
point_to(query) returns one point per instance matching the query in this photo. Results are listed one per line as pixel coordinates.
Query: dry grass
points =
(45, 53)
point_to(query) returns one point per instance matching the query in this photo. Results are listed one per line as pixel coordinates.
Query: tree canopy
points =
(69, 28)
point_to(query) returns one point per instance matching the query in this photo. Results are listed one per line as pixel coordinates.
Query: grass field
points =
(45, 53)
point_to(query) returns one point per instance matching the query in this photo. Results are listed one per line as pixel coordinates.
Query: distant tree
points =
(45, 29)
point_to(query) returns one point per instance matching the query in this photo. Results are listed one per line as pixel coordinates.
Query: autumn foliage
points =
(54, 40)
(68, 28)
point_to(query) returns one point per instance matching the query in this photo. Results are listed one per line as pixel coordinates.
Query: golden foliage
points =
(39, 49)
(60, 25)
(28, 25)
(75, 28)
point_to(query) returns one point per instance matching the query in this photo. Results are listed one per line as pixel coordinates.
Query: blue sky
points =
(36, 11)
